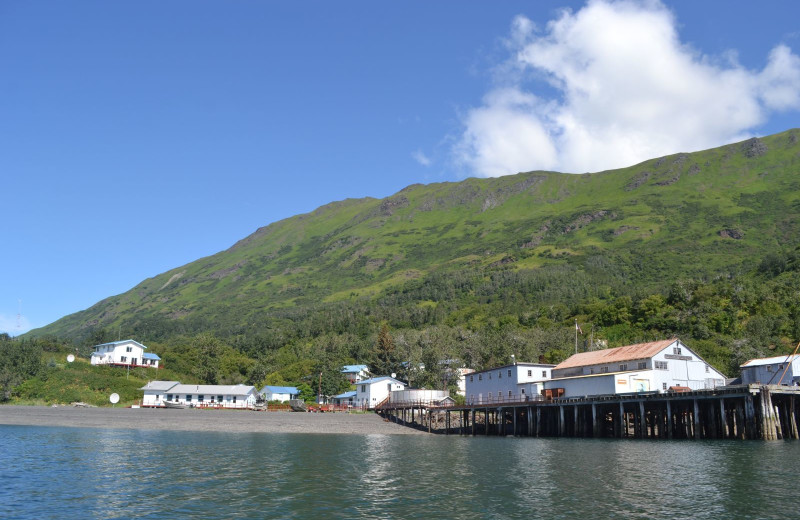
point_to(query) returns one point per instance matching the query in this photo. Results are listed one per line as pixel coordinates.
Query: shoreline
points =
(228, 421)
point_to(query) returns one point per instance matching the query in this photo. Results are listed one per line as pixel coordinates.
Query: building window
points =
(509, 373)
(707, 370)
(499, 375)
(490, 396)
(544, 373)
(169, 397)
(123, 359)
(663, 386)
(769, 368)
(234, 399)
(603, 370)
(189, 398)
(490, 376)
(470, 379)
(591, 371)
(522, 391)
(480, 377)
(129, 349)
(642, 365)
(623, 367)
(530, 373)
(509, 394)
(661, 365)
(676, 351)
(219, 398)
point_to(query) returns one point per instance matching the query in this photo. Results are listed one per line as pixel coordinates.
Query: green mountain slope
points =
(557, 238)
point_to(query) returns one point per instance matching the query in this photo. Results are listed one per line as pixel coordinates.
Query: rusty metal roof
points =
(615, 355)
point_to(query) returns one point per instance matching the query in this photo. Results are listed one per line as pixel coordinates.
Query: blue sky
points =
(136, 137)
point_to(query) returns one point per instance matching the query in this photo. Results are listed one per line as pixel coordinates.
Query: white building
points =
(155, 392)
(645, 367)
(124, 353)
(372, 392)
(462, 380)
(418, 396)
(279, 393)
(517, 382)
(355, 373)
(346, 398)
(213, 396)
(779, 370)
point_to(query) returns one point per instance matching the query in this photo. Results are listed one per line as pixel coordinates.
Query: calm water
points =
(94, 473)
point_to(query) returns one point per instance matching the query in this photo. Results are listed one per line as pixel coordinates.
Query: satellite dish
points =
(114, 398)
(394, 375)
(70, 358)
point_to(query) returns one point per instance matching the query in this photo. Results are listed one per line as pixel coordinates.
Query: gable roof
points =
(213, 389)
(353, 369)
(280, 390)
(770, 361)
(149, 355)
(378, 380)
(121, 342)
(615, 355)
(162, 386)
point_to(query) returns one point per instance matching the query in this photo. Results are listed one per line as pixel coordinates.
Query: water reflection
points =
(85, 473)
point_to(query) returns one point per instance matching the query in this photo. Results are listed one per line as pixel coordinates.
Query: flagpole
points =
(576, 335)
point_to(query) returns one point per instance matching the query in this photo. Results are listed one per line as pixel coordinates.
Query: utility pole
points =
(319, 390)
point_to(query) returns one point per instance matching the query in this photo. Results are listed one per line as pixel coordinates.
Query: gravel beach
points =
(201, 420)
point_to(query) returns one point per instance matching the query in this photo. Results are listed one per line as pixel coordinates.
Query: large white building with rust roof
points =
(657, 366)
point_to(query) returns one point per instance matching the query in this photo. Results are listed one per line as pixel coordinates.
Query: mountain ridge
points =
(716, 207)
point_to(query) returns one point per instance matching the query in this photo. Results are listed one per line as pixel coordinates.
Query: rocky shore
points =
(201, 420)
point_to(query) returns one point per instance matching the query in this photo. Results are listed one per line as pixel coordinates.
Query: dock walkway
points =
(767, 412)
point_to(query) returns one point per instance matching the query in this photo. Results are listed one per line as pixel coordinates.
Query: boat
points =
(298, 405)
(176, 405)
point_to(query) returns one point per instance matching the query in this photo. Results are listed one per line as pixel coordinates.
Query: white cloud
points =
(12, 327)
(421, 158)
(625, 90)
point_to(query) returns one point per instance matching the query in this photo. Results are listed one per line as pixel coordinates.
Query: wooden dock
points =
(732, 412)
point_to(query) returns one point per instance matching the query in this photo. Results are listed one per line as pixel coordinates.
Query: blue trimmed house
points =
(372, 392)
(279, 393)
(127, 353)
(355, 373)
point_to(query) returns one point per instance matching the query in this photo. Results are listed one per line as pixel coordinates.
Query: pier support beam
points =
(595, 422)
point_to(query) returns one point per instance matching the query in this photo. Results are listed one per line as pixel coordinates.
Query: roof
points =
(213, 389)
(353, 368)
(162, 386)
(121, 342)
(520, 364)
(615, 355)
(345, 395)
(280, 390)
(148, 355)
(378, 380)
(770, 361)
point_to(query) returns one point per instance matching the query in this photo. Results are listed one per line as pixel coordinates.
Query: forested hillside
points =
(701, 245)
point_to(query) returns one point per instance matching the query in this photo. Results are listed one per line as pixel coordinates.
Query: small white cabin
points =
(155, 392)
(279, 393)
(127, 353)
(778, 370)
(372, 392)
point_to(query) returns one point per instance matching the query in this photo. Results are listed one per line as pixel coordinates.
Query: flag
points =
(578, 328)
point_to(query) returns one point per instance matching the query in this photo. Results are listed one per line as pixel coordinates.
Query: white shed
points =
(279, 393)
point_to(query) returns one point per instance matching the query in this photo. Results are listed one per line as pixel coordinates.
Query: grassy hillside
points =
(658, 248)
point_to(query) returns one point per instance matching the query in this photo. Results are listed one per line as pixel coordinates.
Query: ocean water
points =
(105, 473)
